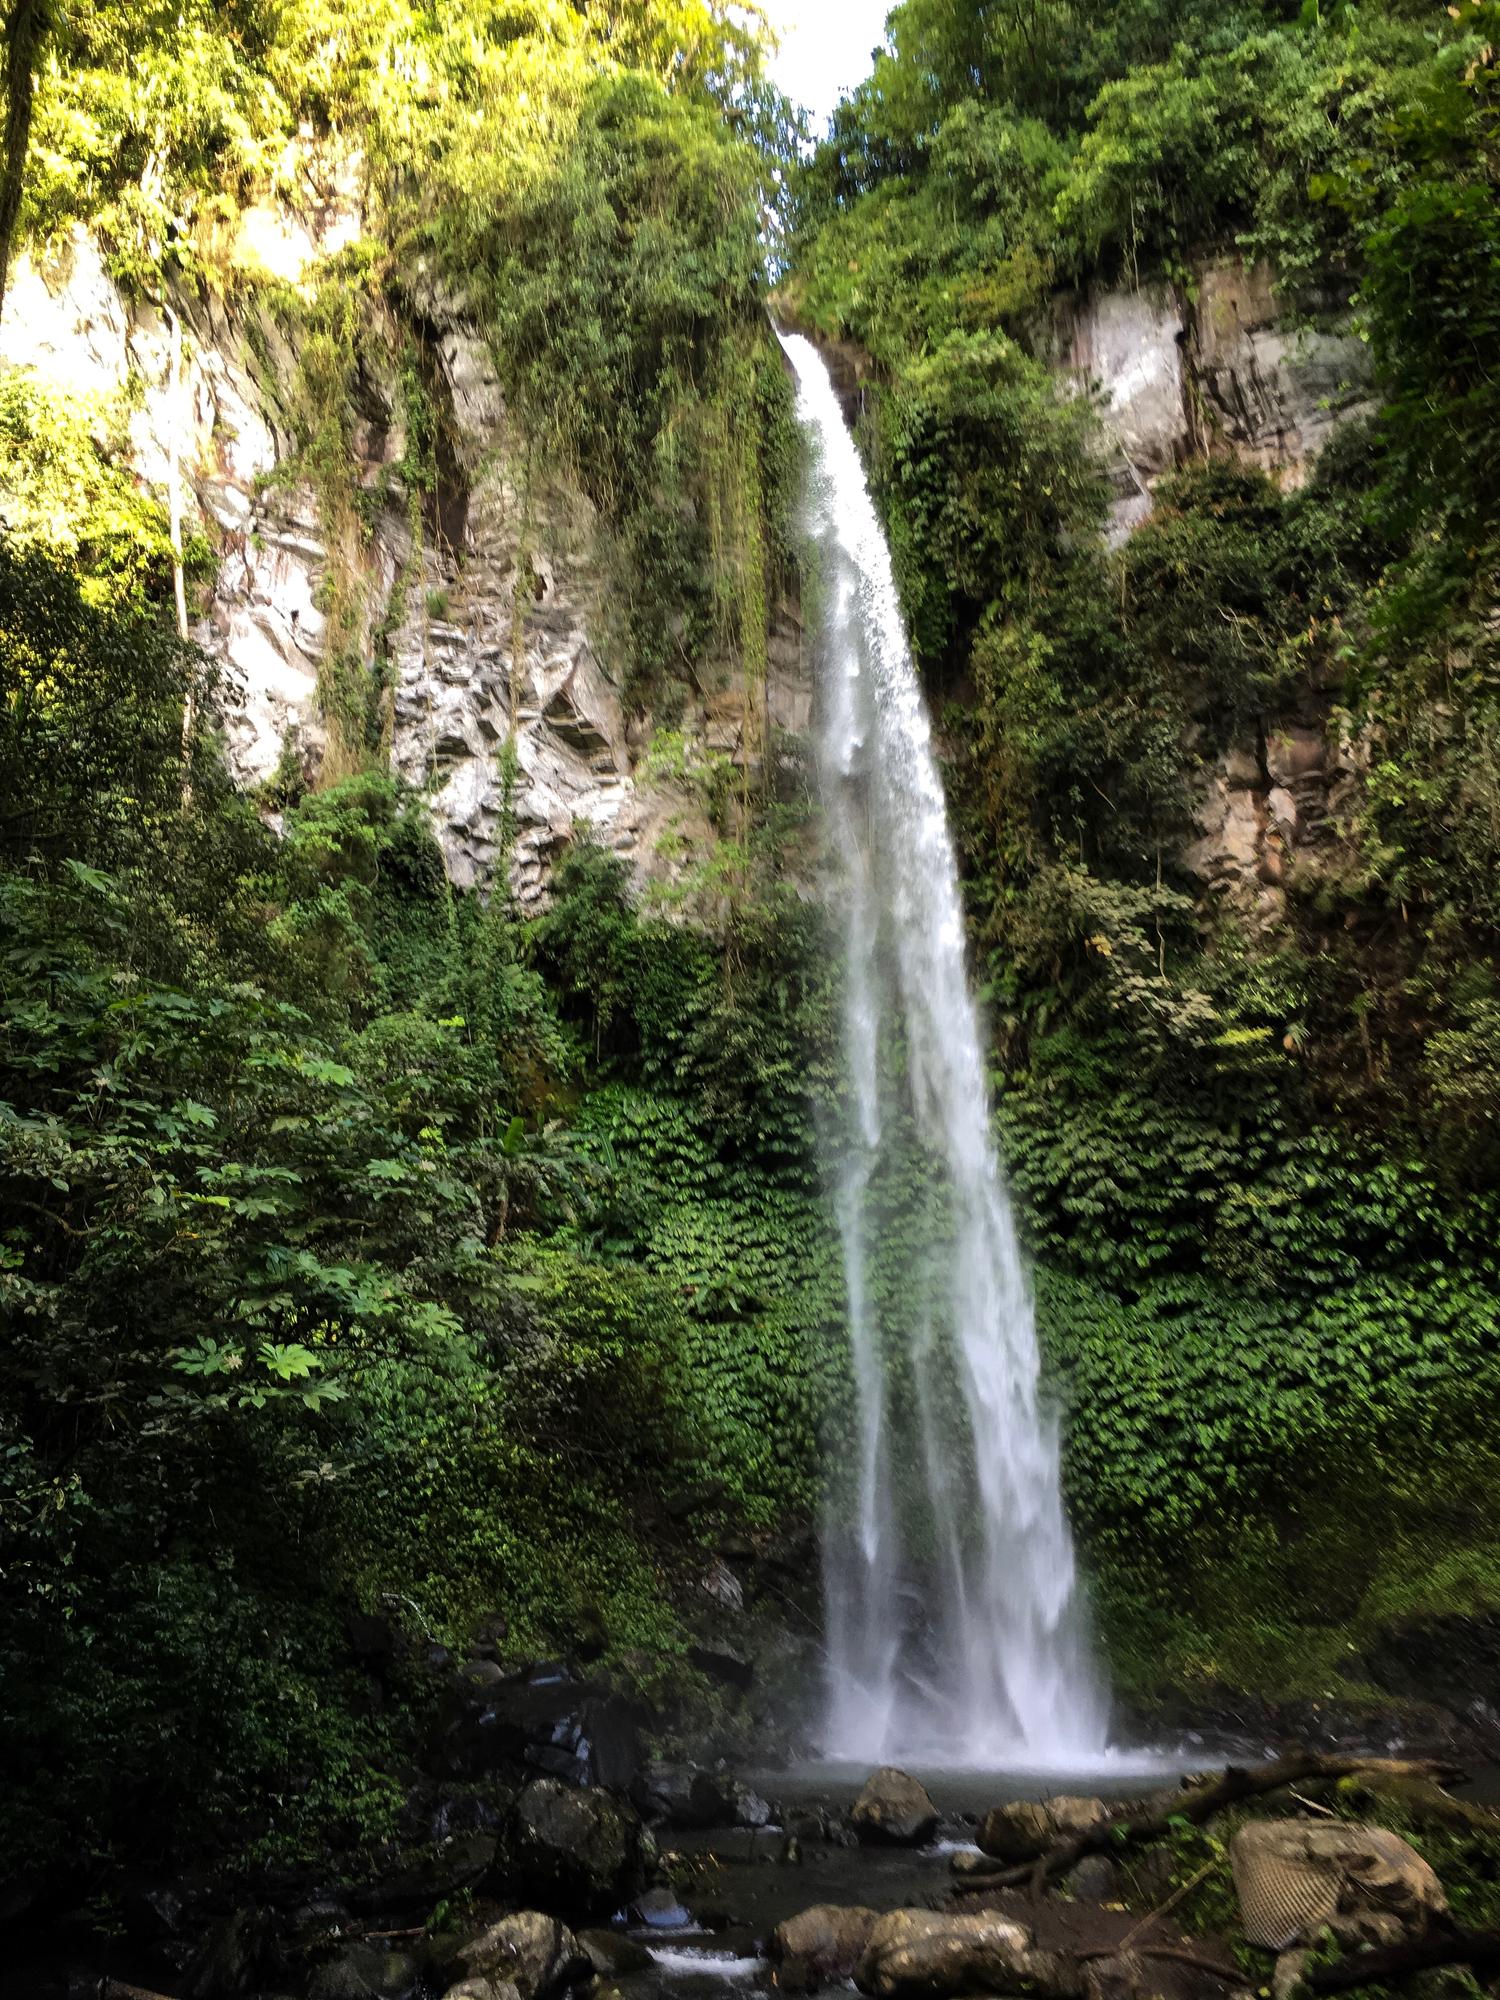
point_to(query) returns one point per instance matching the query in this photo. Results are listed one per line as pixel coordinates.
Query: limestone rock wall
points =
(492, 620)
(1226, 375)
(1223, 374)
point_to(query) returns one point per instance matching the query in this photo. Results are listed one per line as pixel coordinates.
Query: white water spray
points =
(953, 1628)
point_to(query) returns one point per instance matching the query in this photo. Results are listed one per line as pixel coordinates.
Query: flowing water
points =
(953, 1625)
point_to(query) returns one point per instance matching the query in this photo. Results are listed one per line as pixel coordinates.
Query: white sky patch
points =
(825, 49)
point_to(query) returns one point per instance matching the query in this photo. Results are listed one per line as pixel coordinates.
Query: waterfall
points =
(954, 1631)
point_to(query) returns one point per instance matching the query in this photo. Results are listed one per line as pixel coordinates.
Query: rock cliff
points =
(1224, 373)
(488, 605)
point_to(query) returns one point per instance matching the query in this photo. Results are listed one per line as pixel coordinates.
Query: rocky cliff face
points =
(506, 705)
(1225, 375)
(1221, 375)
(490, 618)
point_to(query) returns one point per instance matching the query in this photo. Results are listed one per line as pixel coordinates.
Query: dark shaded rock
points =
(722, 1663)
(490, 1637)
(373, 1640)
(1094, 1880)
(576, 1849)
(613, 1956)
(230, 1961)
(664, 1792)
(685, 1501)
(681, 1795)
(1449, 1659)
(460, 1862)
(893, 1810)
(366, 1972)
(817, 1823)
(532, 1952)
(580, 1731)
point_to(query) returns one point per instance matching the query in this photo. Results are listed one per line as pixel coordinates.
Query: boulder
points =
(613, 1955)
(231, 1956)
(1094, 1880)
(928, 1955)
(825, 1942)
(659, 1910)
(577, 1850)
(562, 1727)
(482, 1989)
(1365, 1884)
(1026, 1828)
(534, 1953)
(893, 1810)
(366, 1972)
(682, 1795)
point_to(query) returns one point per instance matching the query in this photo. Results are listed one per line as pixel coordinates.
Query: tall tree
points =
(25, 31)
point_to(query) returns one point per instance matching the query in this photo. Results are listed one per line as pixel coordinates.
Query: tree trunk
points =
(25, 30)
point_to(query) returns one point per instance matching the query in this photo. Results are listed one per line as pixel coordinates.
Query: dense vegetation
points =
(362, 1246)
(361, 1243)
(1256, 1157)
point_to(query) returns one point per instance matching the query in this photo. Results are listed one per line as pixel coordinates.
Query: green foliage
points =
(63, 488)
(986, 469)
(327, 1276)
(621, 286)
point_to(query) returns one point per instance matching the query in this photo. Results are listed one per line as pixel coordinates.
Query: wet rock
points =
(817, 1823)
(660, 1910)
(825, 1943)
(1027, 1827)
(927, 1955)
(482, 1989)
(366, 1972)
(531, 1952)
(613, 1956)
(576, 1849)
(968, 1865)
(1094, 1880)
(1365, 1884)
(743, 1806)
(681, 1795)
(894, 1810)
(580, 1731)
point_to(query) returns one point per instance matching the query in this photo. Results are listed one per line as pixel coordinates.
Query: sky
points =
(825, 48)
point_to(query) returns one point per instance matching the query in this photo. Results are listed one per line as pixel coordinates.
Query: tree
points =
(25, 31)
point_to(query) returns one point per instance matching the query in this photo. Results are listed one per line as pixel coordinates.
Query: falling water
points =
(953, 1627)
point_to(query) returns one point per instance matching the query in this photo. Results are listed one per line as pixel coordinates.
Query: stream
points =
(740, 1886)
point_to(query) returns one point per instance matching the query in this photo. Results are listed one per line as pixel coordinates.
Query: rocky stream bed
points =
(687, 1883)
